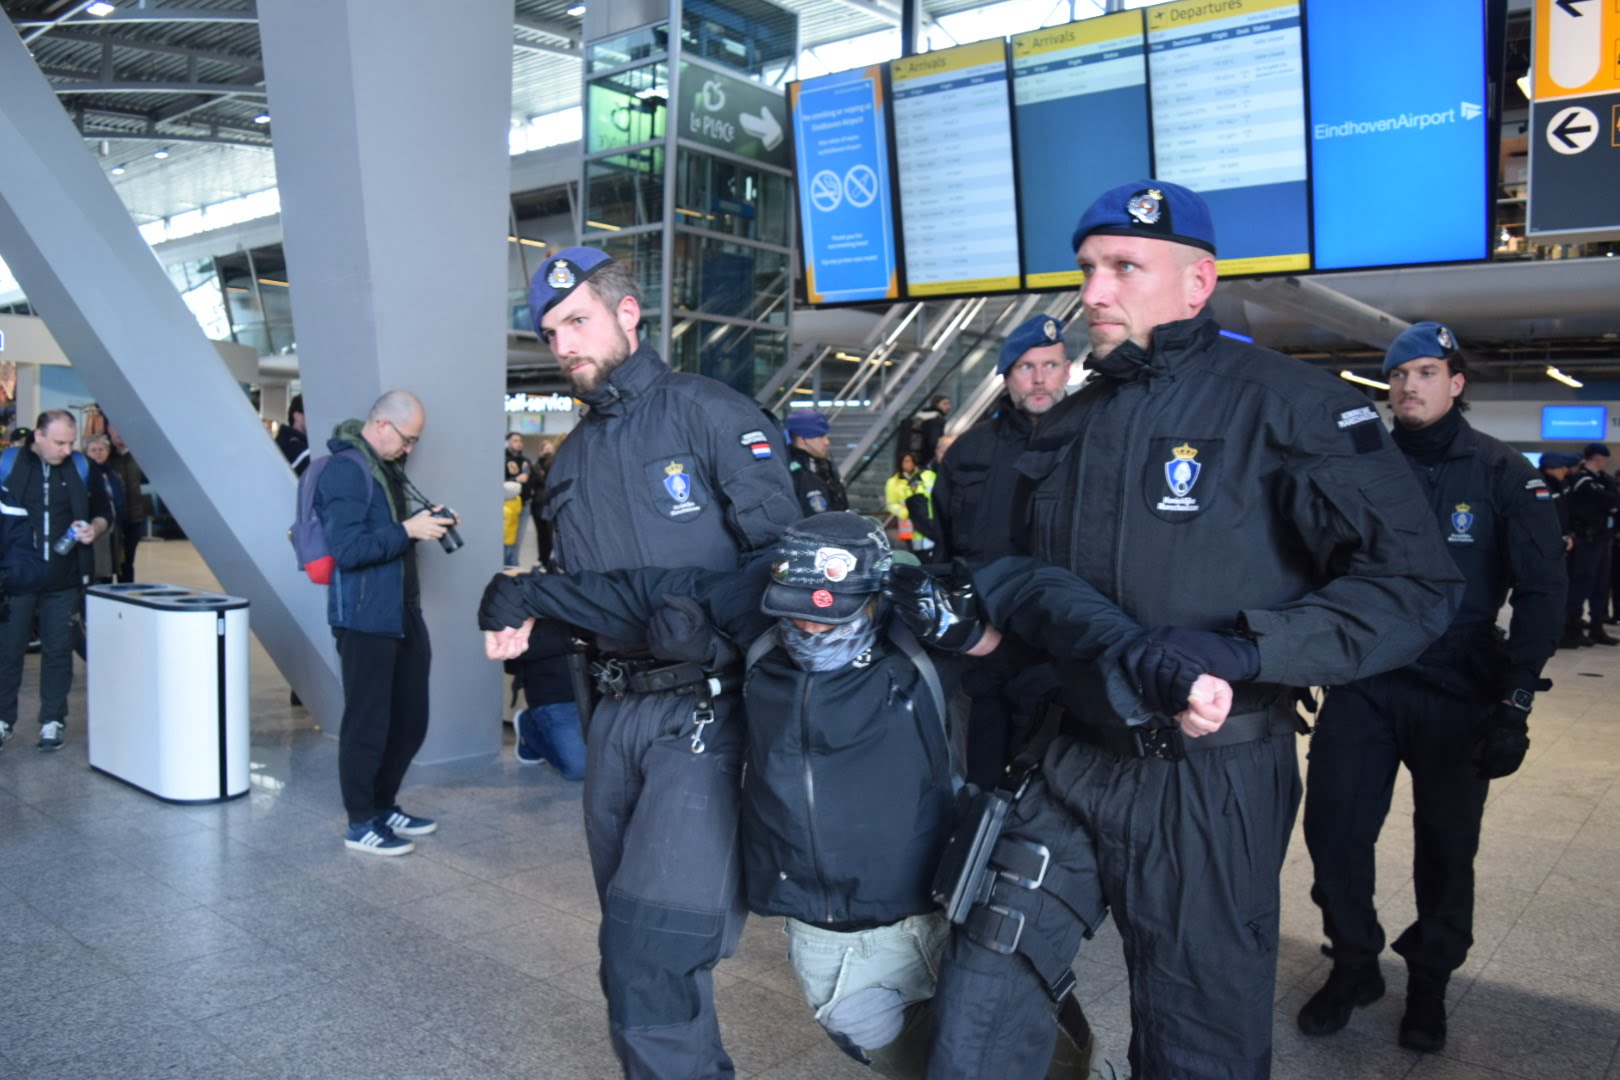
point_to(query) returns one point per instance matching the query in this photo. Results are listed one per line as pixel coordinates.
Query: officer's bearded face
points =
(1039, 379)
(1421, 391)
(1134, 284)
(587, 338)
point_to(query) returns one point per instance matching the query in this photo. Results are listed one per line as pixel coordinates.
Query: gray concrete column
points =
(390, 125)
(136, 347)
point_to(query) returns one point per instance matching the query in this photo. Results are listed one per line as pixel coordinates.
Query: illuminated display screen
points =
(1228, 85)
(845, 211)
(1586, 423)
(953, 151)
(1399, 148)
(1080, 103)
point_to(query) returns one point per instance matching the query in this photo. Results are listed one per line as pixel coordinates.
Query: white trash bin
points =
(167, 686)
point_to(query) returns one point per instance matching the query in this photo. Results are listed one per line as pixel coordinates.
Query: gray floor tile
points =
(475, 910)
(566, 885)
(1554, 997)
(153, 1051)
(166, 939)
(762, 1028)
(1525, 1045)
(220, 982)
(543, 945)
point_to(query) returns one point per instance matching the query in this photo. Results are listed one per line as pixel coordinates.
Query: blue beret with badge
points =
(1418, 341)
(808, 424)
(1595, 448)
(559, 276)
(1150, 208)
(1553, 459)
(1030, 334)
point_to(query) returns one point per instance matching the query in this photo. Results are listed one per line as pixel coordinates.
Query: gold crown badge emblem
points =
(1184, 452)
(674, 468)
(1463, 508)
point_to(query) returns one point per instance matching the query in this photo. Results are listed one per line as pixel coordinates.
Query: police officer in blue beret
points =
(1594, 510)
(666, 469)
(1555, 469)
(815, 477)
(1251, 514)
(1457, 717)
(974, 495)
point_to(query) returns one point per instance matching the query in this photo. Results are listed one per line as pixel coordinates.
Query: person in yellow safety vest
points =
(909, 481)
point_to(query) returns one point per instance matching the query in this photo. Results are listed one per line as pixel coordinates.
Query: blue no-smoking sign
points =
(841, 145)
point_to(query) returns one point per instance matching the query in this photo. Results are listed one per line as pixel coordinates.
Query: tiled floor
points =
(146, 940)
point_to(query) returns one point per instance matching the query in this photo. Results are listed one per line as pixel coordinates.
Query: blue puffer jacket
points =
(367, 541)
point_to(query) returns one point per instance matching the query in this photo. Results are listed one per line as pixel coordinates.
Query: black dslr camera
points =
(451, 540)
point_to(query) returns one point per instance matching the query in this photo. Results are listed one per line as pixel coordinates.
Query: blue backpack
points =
(8, 461)
(307, 534)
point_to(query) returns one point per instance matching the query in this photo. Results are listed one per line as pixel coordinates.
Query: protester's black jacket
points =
(848, 791)
(976, 485)
(1301, 525)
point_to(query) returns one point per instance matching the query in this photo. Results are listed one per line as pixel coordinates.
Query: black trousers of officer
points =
(1365, 732)
(661, 825)
(385, 713)
(1589, 578)
(1187, 854)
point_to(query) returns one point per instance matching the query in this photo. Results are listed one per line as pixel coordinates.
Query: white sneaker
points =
(50, 735)
(5, 733)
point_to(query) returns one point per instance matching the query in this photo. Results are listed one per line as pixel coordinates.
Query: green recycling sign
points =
(733, 114)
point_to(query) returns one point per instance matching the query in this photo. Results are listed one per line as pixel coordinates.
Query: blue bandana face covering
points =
(830, 649)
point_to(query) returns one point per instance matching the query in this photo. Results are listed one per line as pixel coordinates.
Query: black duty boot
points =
(1599, 636)
(1574, 636)
(1347, 988)
(1423, 1027)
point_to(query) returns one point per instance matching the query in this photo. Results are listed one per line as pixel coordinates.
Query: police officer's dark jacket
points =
(1213, 484)
(1497, 517)
(974, 493)
(816, 482)
(667, 469)
(1594, 504)
(846, 805)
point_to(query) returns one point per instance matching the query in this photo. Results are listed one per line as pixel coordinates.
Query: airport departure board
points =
(1080, 105)
(1228, 79)
(953, 152)
(846, 212)
(1308, 156)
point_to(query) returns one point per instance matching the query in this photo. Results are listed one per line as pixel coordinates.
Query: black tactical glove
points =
(681, 630)
(503, 607)
(1504, 742)
(943, 613)
(1163, 663)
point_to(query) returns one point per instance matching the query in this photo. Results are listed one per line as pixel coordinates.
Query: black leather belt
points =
(1169, 744)
(617, 676)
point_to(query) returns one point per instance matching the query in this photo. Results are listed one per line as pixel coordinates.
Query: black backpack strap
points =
(762, 645)
(907, 642)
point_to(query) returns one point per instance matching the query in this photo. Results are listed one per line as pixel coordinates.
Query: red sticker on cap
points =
(821, 598)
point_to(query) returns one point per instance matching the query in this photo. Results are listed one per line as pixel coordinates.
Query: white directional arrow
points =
(1572, 130)
(765, 127)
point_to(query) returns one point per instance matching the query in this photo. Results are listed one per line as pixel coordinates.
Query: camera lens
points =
(450, 541)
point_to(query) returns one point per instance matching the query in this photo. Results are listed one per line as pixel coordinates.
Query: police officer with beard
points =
(1252, 513)
(666, 469)
(974, 497)
(1457, 718)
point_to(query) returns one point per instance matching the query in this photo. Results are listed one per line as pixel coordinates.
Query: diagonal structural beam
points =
(138, 350)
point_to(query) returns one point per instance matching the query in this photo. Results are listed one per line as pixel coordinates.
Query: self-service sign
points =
(1575, 119)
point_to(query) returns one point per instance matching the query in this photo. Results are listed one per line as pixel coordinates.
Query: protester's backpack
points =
(307, 534)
